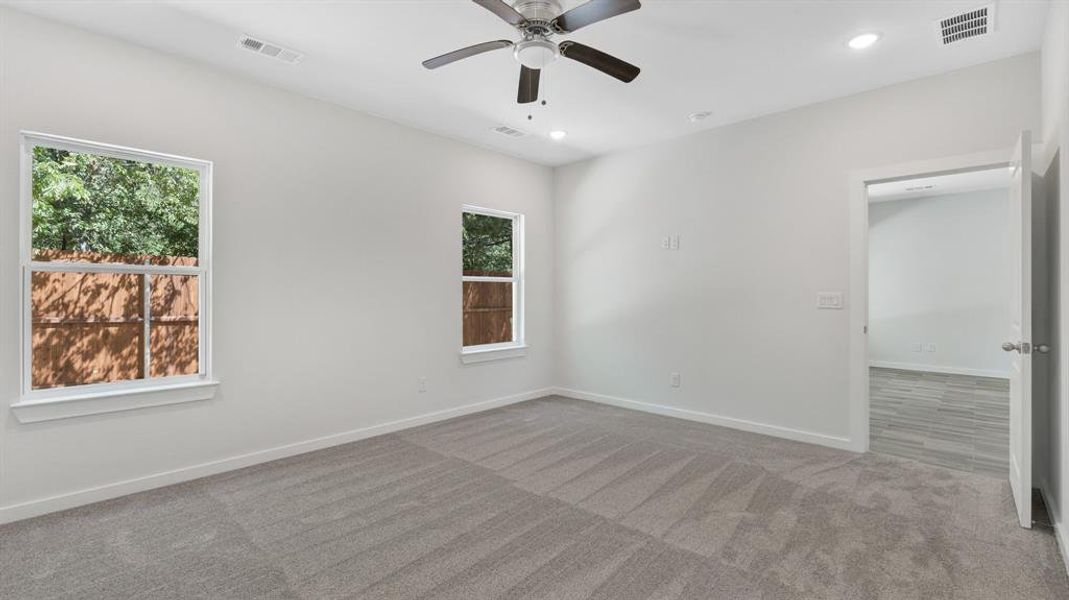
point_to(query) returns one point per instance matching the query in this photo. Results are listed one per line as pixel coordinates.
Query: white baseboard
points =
(883, 364)
(16, 512)
(1060, 534)
(797, 435)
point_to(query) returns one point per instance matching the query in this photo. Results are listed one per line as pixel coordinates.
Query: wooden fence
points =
(487, 310)
(90, 327)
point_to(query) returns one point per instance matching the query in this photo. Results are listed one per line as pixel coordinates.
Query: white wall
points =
(337, 262)
(1055, 102)
(762, 209)
(939, 275)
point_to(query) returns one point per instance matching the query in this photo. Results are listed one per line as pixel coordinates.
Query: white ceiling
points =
(736, 58)
(972, 181)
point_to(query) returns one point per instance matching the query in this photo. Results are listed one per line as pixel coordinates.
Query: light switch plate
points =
(830, 300)
(674, 242)
(666, 242)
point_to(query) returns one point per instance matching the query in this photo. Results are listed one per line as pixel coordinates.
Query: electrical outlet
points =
(917, 348)
(422, 384)
(931, 347)
(673, 380)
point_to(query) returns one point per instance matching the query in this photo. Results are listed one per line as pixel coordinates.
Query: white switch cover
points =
(674, 242)
(931, 347)
(674, 379)
(917, 347)
(666, 242)
(830, 300)
(422, 384)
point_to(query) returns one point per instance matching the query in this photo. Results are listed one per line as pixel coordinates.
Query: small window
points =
(116, 267)
(492, 279)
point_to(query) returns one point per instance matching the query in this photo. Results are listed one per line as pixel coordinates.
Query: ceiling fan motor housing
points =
(538, 10)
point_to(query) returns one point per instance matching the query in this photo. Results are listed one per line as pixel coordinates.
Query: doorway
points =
(1027, 249)
(938, 305)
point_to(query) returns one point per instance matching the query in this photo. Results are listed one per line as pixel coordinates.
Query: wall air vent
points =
(247, 42)
(966, 25)
(509, 131)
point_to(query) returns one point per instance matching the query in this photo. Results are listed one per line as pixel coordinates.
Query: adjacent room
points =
(939, 296)
(546, 299)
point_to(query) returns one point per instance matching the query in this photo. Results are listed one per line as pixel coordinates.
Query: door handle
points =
(1025, 347)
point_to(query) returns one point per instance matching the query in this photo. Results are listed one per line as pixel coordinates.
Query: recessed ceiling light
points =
(699, 116)
(865, 40)
(558, 135)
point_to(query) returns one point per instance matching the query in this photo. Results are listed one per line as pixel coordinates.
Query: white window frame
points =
(73, 401)
(518, 346)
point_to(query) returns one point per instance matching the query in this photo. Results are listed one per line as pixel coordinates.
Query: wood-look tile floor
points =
(955, 421)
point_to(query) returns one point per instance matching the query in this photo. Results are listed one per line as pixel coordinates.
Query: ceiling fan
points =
(538, 21)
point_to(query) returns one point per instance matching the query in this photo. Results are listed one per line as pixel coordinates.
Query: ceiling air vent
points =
(247, 42)
(969, 24)
(509, 131)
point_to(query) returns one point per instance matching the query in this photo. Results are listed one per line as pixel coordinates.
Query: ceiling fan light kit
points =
(539, 21)
(535, 54)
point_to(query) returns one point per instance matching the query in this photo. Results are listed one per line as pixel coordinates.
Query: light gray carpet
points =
(956, 421)
(552, 498)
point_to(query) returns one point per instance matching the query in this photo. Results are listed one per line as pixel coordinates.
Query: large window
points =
(115, 265)
(493, 280)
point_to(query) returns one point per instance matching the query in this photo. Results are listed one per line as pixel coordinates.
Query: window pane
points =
(487, 313)
(487, 245)
(93, 208)
(173, 336)
(86, 328)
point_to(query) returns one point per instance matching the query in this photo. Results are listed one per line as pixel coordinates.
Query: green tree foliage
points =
(91, 203)
(487, 245)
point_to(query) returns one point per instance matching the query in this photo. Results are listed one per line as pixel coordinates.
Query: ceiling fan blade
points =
(506, 12)
(528, 85)
(468, 52)
(610, 65)
(594, 11)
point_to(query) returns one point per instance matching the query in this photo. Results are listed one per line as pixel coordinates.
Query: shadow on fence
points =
(487, 310)
(90, 327)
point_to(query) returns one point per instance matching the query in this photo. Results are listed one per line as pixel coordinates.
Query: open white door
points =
(1020, 341)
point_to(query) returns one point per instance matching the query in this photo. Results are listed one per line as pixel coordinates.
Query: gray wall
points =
(939, 278)
(337, 261)
(1055, 101)
(762, 208)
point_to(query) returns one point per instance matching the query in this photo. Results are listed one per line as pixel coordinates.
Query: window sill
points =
(479, 355)
(95, 403)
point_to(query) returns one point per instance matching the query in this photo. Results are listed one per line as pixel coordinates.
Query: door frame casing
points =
(858, 297)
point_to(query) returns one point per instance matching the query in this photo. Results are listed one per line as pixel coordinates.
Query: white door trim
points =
(859, 265)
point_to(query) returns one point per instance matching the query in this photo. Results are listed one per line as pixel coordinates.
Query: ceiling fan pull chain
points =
(545, 90)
